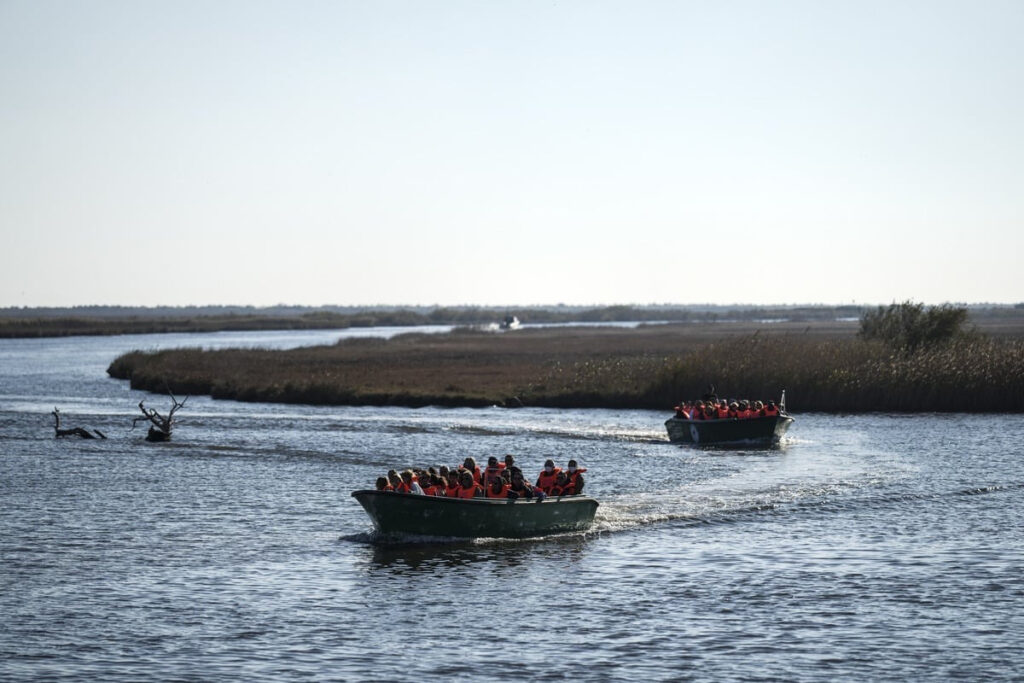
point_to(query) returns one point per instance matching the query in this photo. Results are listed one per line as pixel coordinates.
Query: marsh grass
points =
(823, 368)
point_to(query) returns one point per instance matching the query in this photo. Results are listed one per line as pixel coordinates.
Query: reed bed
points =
(822, 367)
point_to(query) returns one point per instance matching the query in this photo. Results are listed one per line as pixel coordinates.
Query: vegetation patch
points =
(830, 367)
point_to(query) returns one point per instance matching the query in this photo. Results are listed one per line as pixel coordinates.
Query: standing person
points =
(548, 476)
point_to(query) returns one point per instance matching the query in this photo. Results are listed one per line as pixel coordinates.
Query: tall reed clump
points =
(971, 374)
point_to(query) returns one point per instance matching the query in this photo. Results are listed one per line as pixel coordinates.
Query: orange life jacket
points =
(545, 481)
(721, 413)
(453, 491)
(491, 473)
(429, 490)
(476, 474)
(557, 490)
(503, 494)
(771, 411)
(468, 493)
(402, 487)
(572, 478)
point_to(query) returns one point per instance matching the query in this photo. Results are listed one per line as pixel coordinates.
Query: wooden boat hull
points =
(403, 513)
(755, 430)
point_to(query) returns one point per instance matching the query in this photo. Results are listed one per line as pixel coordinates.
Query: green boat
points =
(406, 513)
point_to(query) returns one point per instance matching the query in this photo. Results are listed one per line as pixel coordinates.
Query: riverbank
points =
(824, 367)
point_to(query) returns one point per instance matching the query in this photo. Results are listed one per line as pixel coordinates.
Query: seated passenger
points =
(430, 486)
(561, 487)
(733, 411)
(547, 478)
(383, 485)
(575, 476)
(497, 489)
(509, 462)
(520, 489)
(408, 485)
(745, 410)
(394, 479)
(758, 409)
(470, 464)
(492, 472)
(467, 487)
(771, 410)
(452, 487)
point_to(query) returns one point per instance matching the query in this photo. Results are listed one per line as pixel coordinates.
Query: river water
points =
(881, 547)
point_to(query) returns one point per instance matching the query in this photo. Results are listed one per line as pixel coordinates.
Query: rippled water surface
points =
(883, 547)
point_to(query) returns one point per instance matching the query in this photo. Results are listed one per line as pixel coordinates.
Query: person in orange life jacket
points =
(383, 485)
(497, 489)
(733, 411)
(467, 487)
(394, 479)
(470, 464)
(575, 475)
(561, 487)
(440, 485)
(519, 488)
(547, 478)
(744, 411)
(683, 410)
(771, 410)
(492, 472)
(408, 485)
(757, 410)
(722, 411)
(431, 485)
(452, 487)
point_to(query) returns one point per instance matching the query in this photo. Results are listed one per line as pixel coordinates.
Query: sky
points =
(511, 153)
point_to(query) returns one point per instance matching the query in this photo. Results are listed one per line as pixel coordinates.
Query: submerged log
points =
(76, 431)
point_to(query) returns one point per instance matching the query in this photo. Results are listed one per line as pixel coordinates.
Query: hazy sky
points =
(511, 152)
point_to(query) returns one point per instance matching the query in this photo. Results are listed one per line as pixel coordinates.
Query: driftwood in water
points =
(77, 431)
(160, 427)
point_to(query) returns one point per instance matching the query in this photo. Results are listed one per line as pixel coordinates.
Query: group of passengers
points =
(497, 480)
(723, 409)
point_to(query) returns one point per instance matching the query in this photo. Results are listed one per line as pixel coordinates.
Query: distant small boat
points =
(510, 323)
(405, 513)
(753, 430)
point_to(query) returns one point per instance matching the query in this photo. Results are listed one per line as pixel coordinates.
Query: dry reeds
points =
(824, 368)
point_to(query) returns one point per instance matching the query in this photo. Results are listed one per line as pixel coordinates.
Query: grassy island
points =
(823, 366)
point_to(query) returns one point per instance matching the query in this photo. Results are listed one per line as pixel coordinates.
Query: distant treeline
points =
(108, 320)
